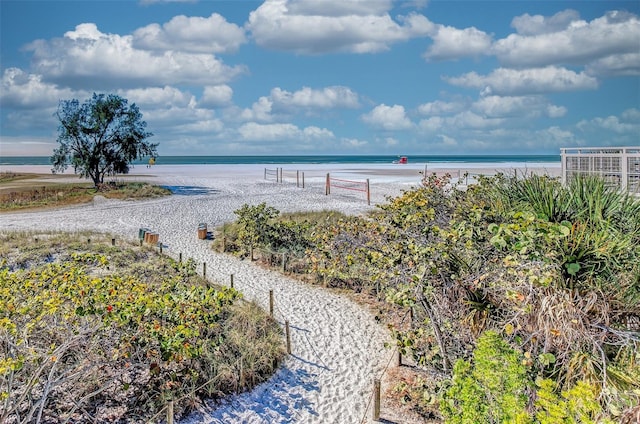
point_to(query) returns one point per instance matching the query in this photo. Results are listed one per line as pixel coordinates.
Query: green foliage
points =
(541, 194)
(100, 137)
(492, 388)
(253, 222)
(86, 324)
(578, 405)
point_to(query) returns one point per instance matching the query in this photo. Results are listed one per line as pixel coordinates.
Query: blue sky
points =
(329, 76)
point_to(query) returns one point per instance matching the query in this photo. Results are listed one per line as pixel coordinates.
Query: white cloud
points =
(390, 141)
(616, 65)
(538, 24)
(207, 126)
(352, 26)
(286, 103)
(516, 107)
(24, 90)
(440, 107)
(155, 97)
(354, 142)
(504, 81)
(191, 34)
(27, 146)
(388, 118)
(579, 42)
(631, 115)
(88, 57)
(216, 96)
(259, 111)
(554, 111)
(338, 7)
(611, 124)
(432, 124)
(452, 43)
(471, 120)
(552, 138)
(253, 131)
(316, 133)
(326, 98)
(448, 141)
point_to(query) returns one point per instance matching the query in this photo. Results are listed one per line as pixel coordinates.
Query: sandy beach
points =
(338, 347)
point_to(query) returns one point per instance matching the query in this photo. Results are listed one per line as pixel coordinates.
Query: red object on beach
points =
(403, 160)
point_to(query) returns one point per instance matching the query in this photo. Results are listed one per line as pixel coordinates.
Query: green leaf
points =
(572, 268)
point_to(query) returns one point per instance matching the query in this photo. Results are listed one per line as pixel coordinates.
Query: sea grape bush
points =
(76, 336)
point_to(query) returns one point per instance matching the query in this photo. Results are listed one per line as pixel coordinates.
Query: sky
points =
(329, 77)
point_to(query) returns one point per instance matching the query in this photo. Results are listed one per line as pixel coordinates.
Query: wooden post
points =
(113, 241)
(399, 357)
(284, 262)
(265, 173)
(288, 334)
(280, 174)
(297, 178)
(271, 302)
(231, 280)
(141, 242)
(368, 193)
(251, 251)
(170, 412)
(411, 315)
(204, 269)
(327, 186)
(303, 180)
(224, 244)
(180, 257)
(160, 246)
(376, 400)
(88, 241)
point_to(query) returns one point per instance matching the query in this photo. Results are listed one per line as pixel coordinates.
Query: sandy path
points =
(337, 346)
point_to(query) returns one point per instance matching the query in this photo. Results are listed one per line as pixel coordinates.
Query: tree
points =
(100, 137)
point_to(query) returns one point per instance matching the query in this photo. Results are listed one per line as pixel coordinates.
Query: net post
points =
(368, 193)
(327, 186)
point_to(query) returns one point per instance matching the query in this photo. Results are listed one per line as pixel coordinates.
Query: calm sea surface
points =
(323, 159)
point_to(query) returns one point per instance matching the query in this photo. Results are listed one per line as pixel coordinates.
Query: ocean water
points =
(314, 159)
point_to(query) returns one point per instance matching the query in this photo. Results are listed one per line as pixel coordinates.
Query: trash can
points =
(151, 237)
(202, 231)
(141, 233)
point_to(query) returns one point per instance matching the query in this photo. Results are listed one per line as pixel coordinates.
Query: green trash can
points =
(141, 233)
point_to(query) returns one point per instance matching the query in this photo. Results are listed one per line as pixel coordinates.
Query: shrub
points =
(82, 336)
(492, 388)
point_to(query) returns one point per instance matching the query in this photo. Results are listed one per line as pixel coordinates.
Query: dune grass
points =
(29, 191)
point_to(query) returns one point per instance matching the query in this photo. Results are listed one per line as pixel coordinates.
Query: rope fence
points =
(361, 186)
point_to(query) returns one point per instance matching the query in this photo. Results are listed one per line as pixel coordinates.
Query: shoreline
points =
(382, 172)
